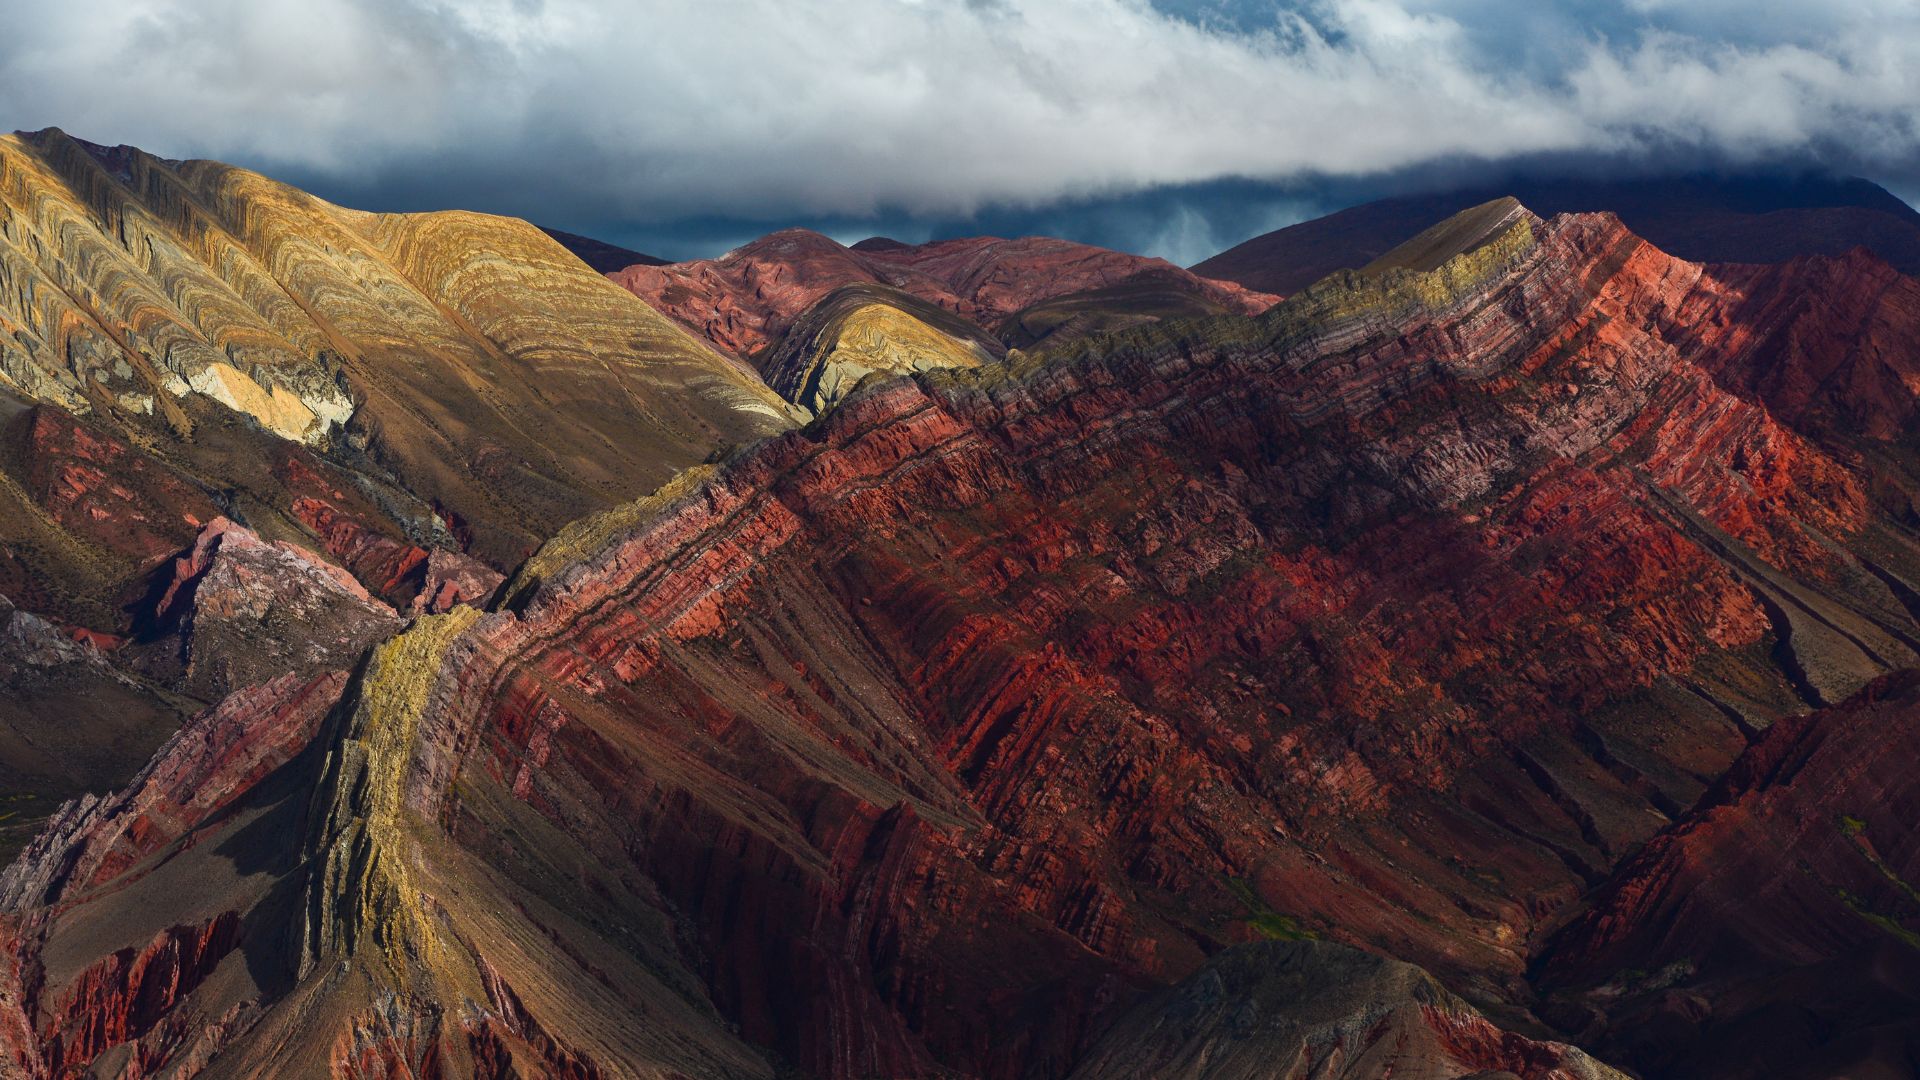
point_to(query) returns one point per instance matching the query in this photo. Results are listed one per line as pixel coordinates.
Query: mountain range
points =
(1460, 637)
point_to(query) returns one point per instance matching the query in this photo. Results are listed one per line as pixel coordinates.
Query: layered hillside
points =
(944, 735)
(1774, 931)
(746, 301)
(205, 335)
(862, 330)
(1144, 298)
(1714, 219)
(419, 400)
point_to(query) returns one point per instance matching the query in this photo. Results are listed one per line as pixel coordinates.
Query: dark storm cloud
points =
(1165, 127)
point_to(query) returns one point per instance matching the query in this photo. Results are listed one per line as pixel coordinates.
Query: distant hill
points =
(745, 300)
(1753, 219)
(605, 258)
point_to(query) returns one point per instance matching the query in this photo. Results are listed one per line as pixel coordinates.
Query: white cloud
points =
(662, 108)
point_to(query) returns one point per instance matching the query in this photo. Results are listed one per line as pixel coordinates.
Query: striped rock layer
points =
(942, 736)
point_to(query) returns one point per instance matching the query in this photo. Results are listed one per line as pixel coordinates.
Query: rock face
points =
(746, 300)
(1775, 930)
(941, 736)
(236, 611)
(1714, 219)
(168, 967)
(1311, 1009)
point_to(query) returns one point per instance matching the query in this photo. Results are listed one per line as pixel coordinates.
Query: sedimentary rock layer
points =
(745, 301)
(468, 360)
(998, 700)
(1774, 931)
(863, 330)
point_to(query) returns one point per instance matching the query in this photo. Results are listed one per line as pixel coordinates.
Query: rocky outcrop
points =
(142, 929)
(1312, 1009)
(1452, 237)
(453, 580)
(236, 611)
(217, 756)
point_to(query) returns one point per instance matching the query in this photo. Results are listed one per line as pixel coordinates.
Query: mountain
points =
(420, 399)
(185, 339)
(603, 257)
(746, 300)
(1147, 297)
(1218, 685)
(860, 330)
(1714, 219)
(1774, 930)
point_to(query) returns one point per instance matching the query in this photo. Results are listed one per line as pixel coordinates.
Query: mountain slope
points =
(1324, 1011)
(463, 374)
(860, 330)
(602, 257)
(746, 300)
(998, 699)
(185, 345)
(1774, 931)
(1760, 219)
(1147, 297)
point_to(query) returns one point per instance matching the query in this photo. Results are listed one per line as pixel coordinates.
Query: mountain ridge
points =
(1757, 219)
(840, 683)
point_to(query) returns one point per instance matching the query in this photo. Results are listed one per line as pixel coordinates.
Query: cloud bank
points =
(637, 111)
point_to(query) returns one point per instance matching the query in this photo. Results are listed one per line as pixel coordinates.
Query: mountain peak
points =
(1753, 218)
(1460, 234)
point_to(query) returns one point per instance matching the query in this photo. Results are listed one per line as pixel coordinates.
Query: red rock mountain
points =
(747, 299)
(1715, 219)
(1775, 930)
(1129, 700)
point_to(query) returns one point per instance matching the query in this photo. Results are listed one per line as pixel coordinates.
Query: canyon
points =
(988, 658)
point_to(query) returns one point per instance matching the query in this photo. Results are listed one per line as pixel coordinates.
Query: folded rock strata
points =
(998, 699)
(1775, 930)
(863, 330)
(748, 299)
(467, 361)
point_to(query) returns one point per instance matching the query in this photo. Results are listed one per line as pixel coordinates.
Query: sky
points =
(1171, 127)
